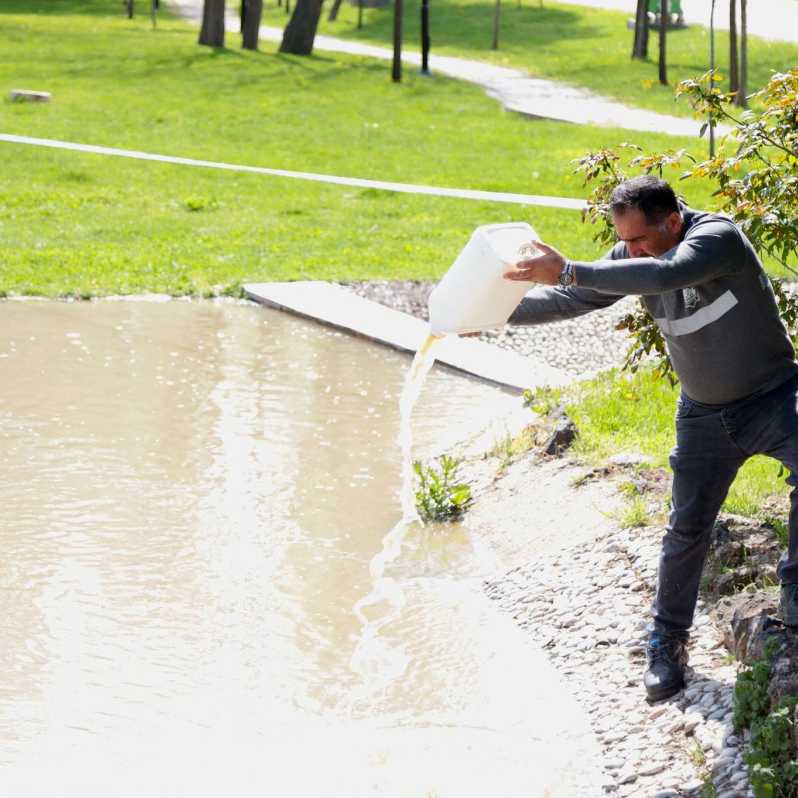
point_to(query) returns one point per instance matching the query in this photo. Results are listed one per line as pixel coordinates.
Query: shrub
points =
(439, 497)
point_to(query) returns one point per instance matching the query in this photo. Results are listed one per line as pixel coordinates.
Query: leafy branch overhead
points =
(756, 176)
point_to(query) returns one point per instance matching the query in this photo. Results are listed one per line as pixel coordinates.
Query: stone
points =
(629, 459)
(561, 439)
(746, 622)
(692, 785)
(651, 770)
(626, 776)
(27, 95)
(784, 669)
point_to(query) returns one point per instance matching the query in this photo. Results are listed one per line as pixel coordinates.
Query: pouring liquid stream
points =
(376, 662)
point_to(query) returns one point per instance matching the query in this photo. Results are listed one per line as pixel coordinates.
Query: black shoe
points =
(788, 604)
(667, 658)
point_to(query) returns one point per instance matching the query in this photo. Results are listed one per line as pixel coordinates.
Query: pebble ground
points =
(589, 606)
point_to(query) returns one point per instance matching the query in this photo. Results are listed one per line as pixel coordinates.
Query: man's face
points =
(643, 239)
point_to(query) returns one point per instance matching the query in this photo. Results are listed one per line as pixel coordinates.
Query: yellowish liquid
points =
(372, 658)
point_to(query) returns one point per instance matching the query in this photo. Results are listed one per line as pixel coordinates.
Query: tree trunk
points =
(212, 31)
(425, 39)
(251, 25)
(496, 19)
(334, 10)
(734, 69)
(663, 32)
(640, 44)
(712, 72)
(130, 9)
(300, 31)
(396, 67)
(741, 98)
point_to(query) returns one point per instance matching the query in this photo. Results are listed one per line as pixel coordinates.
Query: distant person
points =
(701, 280)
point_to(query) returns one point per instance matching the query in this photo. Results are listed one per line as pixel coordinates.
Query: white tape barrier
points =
(404, 188)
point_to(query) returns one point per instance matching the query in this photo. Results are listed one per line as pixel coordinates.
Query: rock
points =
(626, 776)
(26, 95)
(693, 785)
(784, 670)
(562, 437)
(628, 459)
(746, 622)
(651, 770)
(730, 582)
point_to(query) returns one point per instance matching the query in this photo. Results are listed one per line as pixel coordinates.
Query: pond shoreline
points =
(582, 591)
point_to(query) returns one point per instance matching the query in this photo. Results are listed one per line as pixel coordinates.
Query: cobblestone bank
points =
(589, 608)
(579, 346)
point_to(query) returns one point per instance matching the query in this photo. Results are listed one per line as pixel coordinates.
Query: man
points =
(701, 280)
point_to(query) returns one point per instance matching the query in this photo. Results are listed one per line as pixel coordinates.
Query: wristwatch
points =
(567, 275)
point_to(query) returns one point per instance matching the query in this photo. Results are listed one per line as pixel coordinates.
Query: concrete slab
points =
(331, 304)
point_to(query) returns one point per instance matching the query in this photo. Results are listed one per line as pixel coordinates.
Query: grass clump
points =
(511, 446)
(439, 496)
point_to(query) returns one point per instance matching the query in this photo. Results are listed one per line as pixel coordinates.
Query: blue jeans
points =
(712, 442)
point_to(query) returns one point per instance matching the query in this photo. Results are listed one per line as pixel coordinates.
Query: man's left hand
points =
(545, 268)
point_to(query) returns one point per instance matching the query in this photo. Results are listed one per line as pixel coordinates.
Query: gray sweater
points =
(710, 297)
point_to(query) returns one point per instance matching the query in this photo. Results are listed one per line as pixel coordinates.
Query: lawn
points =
(621, 412)
(584, 46)
(83, 224)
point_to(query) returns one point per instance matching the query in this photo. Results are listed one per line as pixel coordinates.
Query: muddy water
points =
(191, 496)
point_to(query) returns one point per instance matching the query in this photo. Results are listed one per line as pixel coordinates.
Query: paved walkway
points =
(770, 19)
(515, 89)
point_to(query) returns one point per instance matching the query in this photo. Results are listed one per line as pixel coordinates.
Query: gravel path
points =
(581, 347)
(583, 593)
(588, 607)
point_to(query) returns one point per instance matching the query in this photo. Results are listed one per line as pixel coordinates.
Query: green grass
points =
(584, 46)
(620, 412)
(83, 224)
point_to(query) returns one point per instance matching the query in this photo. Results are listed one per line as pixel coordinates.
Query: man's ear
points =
(675, 223)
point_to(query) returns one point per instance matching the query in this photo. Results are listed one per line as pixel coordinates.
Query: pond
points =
(192, 494)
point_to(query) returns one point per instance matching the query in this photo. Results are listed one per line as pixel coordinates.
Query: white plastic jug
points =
(473, 296)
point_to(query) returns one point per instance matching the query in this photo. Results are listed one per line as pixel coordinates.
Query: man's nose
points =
(636, 250)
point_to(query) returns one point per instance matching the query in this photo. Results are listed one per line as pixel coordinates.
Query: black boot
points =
(667, 658)
(788, 604)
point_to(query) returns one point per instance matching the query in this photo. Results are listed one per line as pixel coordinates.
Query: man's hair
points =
(654, 197)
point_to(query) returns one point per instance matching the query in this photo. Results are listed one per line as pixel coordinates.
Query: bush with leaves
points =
(439, 497)
(771, 757)
(757, 188)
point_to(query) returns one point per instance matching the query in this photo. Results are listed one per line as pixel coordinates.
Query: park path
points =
(514, 88)
(776, 20)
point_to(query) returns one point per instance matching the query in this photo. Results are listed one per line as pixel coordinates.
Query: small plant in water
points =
(439, 497)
